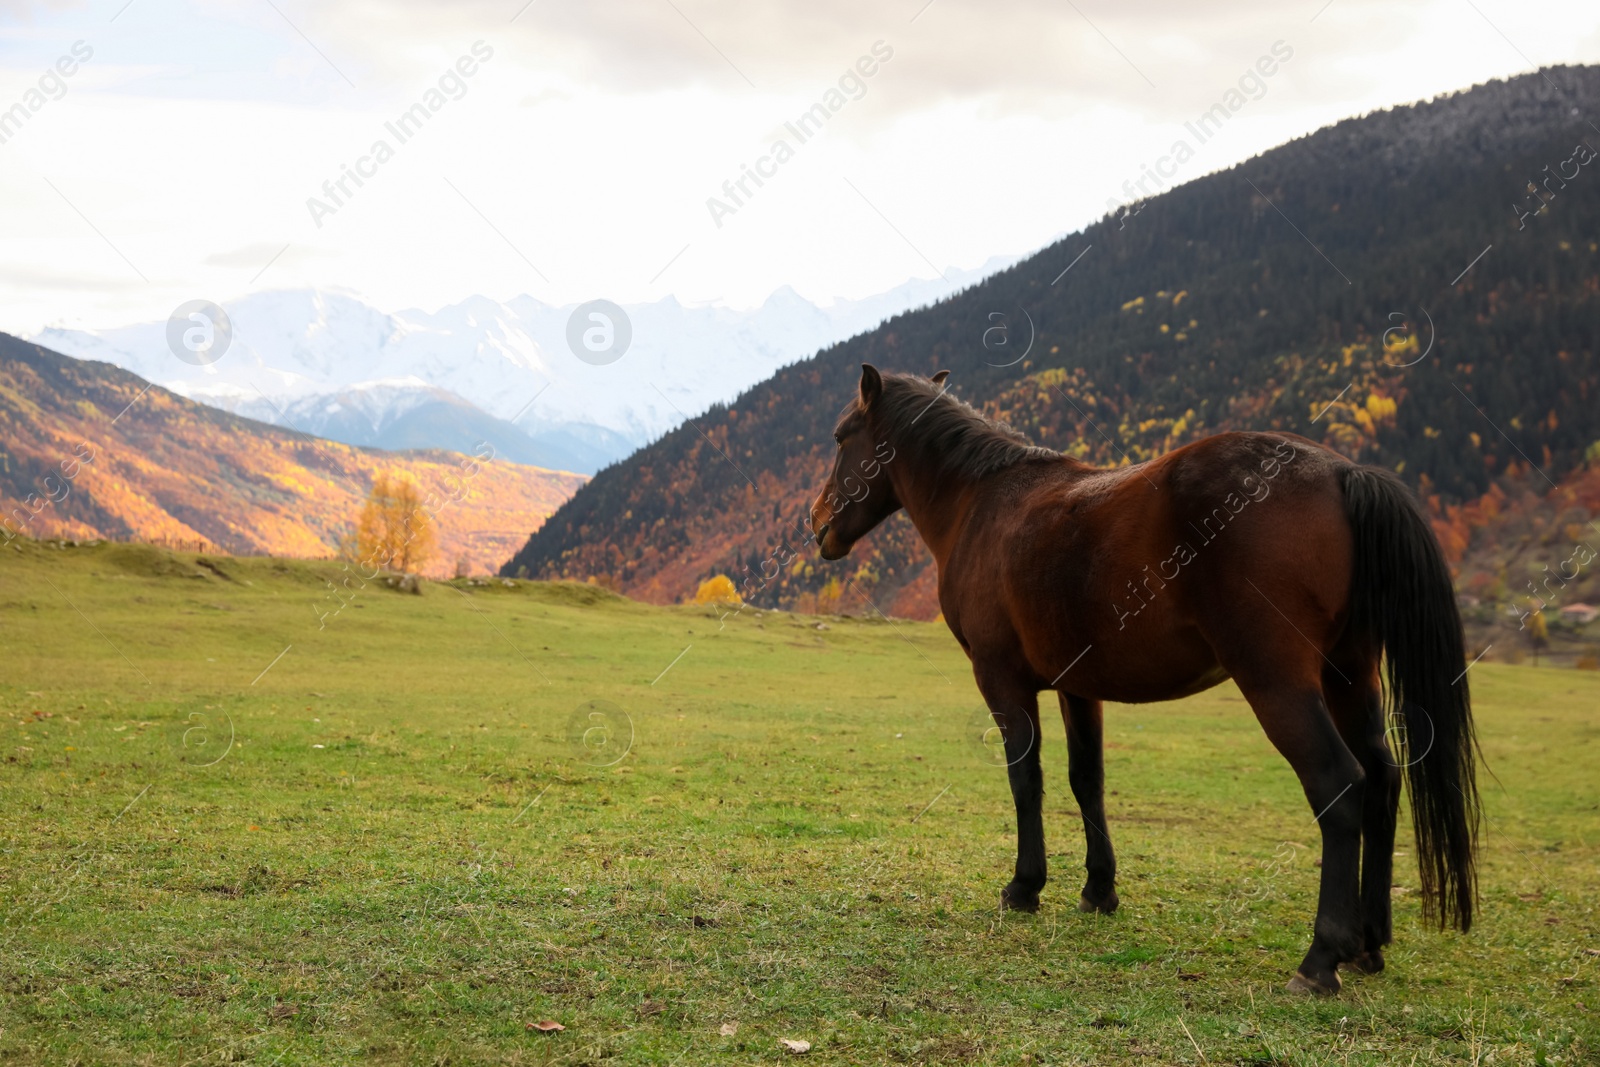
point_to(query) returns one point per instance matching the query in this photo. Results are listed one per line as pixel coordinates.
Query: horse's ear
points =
(871, 385)
(938, 379)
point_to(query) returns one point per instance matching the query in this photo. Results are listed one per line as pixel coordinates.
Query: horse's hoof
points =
(1300, 983)
(1369, 962)
(1014, 898)
(1106, 905)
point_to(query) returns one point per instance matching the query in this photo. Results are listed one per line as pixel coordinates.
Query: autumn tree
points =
(718, 589)
(394, 532)
(1538, 633)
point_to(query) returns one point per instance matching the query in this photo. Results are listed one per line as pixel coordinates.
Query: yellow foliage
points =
(718, 589)
(1537, 629)
(1399, 342)
(394, 532)
(1381, 408)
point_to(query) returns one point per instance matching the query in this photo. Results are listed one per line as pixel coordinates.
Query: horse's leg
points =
(1298, 724)
(1015, 708)
(1086, 772)
(1356, 702)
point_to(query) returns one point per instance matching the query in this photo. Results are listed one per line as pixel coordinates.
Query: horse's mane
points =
(959, 439)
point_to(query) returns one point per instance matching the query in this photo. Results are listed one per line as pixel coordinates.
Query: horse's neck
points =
(937, 502)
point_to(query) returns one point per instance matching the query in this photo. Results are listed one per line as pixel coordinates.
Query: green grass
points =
(406, 855)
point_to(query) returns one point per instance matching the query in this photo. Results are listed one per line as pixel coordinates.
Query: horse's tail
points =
(1402, 598)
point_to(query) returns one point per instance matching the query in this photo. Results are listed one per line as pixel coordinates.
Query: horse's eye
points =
(838, 440)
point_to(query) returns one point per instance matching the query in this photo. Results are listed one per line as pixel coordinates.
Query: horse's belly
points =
(1148, 690)
(1179, 665)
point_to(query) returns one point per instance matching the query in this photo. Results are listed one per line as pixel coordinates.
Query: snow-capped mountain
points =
(328, 364)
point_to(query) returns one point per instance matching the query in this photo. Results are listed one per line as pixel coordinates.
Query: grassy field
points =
(243, 827)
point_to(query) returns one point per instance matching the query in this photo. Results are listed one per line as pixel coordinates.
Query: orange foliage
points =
(394, 531)
(158, 467)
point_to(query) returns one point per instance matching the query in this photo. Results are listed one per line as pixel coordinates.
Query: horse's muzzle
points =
(822, 543)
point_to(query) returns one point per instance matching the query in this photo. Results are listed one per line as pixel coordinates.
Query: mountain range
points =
(330, 365)
(88, 450)
(1418, 288)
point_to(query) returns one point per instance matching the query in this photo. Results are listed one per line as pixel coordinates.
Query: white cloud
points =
(590, 142)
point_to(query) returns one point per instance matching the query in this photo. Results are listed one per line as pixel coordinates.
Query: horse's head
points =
(858, 494)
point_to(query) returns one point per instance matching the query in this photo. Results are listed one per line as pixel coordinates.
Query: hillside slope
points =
(88, 450)
(1371, 285)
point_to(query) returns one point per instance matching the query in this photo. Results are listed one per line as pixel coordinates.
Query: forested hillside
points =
(88, 450)
(1392, 285)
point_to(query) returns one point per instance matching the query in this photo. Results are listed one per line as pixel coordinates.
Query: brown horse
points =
(1263, 557)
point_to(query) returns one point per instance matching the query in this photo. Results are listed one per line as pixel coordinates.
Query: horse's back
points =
(1154, 564)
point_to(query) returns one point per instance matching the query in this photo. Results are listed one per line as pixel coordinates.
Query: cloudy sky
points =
(572, 150)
